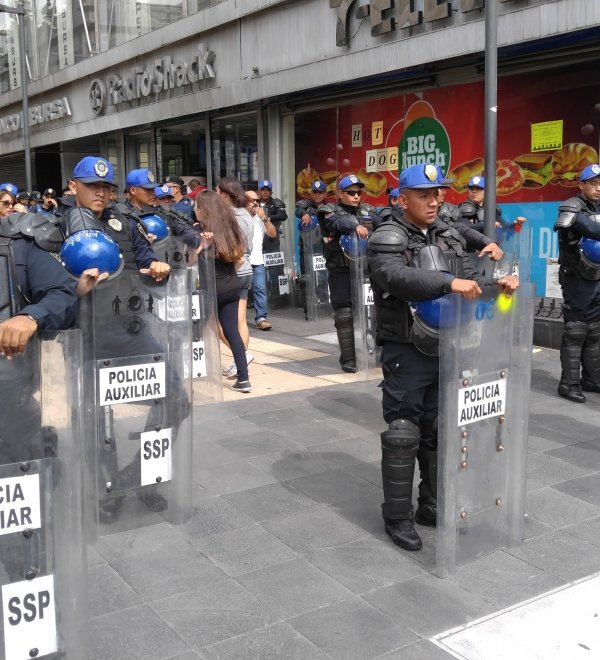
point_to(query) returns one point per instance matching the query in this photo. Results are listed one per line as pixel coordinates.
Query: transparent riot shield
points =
(278, 284)
(43, 566)
(206, 355)
(485, 373)
(515, 241)
(363, 309)
(137, 385)
(314, 280)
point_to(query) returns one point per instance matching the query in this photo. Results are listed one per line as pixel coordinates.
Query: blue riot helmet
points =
(352, 246)
(314, 223)
(589, 265)
(429, 316)
(157, 226)
(91, 248)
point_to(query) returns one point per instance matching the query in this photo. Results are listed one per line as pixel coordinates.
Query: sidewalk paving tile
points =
(428, 605)
(584, 488)
(548, 470)
(365, 565)
(560, 554)
(217, 612)
(158, 561)
(293, 588)
(321, 528)
(213, 515)
(423, 650)
(133, 633)
(232, 478)
(352, 630)
(238, 552)
(333, 487)
(584, 454)
(270, 501)
(274, 642)
(557, 509)
(108, 592)
(505, 580)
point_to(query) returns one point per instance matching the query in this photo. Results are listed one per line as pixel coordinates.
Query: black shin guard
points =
(426, 513)
(590, 357)
(398, 453)
(570, 352)
(344, 326)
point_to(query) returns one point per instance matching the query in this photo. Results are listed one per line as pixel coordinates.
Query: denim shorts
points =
(245, 284)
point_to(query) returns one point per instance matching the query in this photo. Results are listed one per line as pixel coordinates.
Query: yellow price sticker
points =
(547, 135)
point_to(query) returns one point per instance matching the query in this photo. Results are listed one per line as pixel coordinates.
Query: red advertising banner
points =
(548, 127)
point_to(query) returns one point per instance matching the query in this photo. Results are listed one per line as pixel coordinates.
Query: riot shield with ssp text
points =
(206, 355)
(137, 385)
(485, 373)
(314, 280)
(363, 309)
(43, 567)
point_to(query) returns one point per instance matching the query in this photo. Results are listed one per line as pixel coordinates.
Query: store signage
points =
(388, 15)
(38, 114)
(150, 82)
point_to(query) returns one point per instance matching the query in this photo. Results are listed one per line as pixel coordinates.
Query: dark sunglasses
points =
(5, 203)
(353, 193)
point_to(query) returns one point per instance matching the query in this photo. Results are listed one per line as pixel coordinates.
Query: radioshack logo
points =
(149, 83)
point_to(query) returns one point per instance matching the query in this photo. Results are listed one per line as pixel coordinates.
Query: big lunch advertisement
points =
(548, 127)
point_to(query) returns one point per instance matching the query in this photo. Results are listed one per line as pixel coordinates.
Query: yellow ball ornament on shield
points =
(504, 303)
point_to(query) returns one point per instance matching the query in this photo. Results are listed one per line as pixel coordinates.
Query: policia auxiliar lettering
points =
(578, 227)
(413, 256)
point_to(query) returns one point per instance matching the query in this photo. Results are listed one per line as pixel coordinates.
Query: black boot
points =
(571, 348)
(345, 332)
(590, 358)
(426, 513)
(398, 452)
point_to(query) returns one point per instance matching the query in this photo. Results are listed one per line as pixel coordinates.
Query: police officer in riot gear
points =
(471, 210)
(142, 201)
(578, 228)
(350, 216)
(414, 256)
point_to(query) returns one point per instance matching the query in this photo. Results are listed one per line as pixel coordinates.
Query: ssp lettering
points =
(156, 448)
(31, 608)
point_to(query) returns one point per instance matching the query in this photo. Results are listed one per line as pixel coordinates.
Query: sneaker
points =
(242, 386)
(249, 357)
(230, 372)
(263, 324)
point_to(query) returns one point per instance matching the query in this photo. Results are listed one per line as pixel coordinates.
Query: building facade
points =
(294, 89)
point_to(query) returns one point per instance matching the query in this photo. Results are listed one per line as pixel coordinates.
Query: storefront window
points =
(235, 149)
(183, 151)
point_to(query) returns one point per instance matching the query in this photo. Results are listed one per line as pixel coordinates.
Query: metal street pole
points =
(23, 65)
(491, 115)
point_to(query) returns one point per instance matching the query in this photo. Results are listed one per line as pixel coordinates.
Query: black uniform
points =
(335, 220)
(472, 214)
(180, 226)
(275, 211)
(399, 255)
(580, 281)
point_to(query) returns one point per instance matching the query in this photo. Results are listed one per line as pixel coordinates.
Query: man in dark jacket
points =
(414, 256)
(578, 228)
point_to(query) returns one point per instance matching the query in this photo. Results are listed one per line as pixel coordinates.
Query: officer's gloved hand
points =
(78, 219)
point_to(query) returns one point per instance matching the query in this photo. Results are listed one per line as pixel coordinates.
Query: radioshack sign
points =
(149, 83)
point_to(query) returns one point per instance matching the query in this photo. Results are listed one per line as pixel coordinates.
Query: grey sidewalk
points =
(286, 556)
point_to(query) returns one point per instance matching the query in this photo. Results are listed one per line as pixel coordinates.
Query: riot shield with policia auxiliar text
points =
(137, 386)
(485, 373)
(43, 566)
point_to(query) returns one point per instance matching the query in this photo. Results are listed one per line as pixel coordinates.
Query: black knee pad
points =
(401, 440)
